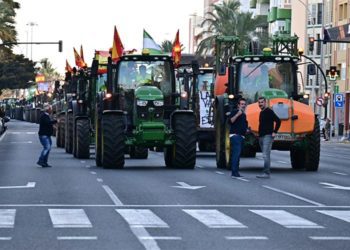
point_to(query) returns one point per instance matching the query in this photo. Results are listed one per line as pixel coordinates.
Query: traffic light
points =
(311, 43)
(60, 45)
(333, 71)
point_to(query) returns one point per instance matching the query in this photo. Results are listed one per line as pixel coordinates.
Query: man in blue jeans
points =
(269, 124)
(45, 133)
(238, 129)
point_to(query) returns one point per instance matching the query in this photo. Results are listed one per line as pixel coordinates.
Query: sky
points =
(91, 24)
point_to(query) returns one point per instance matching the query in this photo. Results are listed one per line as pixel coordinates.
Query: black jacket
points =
(240, 126)
(267, 119)
(46, 124)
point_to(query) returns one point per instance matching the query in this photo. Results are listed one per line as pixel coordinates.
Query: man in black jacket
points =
(269, 124)
(45, 133)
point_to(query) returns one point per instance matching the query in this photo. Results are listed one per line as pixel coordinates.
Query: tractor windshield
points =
(134, 74)
(259, 76)
(205, 81)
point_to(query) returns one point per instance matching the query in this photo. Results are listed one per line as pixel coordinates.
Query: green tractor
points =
(140, 109)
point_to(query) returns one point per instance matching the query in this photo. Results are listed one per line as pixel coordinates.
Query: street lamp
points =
(31, 24)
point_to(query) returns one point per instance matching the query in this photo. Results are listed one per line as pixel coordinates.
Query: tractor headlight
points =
(158, 103)
(142, 103)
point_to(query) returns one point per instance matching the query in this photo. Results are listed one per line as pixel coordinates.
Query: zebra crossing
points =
(210, 218)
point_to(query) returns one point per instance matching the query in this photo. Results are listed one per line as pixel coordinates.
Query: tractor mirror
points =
(222, 69)
(311, 69)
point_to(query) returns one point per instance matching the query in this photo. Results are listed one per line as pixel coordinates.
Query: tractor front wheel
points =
(82, 139)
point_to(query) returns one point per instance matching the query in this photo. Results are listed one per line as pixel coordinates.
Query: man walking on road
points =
(267, 132)
(45, 133)
(239, 126)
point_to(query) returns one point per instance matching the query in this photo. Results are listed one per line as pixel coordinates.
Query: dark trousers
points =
(46, 142)
(236, 148)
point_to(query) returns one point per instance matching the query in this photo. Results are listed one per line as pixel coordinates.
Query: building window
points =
(341, 10)
(318, 44)
(345, 10)
(319, 13)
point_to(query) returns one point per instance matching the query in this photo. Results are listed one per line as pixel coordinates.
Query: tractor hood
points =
(149, 93)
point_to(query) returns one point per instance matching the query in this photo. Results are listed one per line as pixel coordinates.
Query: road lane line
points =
(2, 136)
(329, 238)
(112, 195)
(284, 162)
(218, 172)
(338, 173)
(294, 196)
(246, 238)
(240, 178)
(7, 218)
(92, 172)
(29, 185)
(199, 166)
(76, 237)
(212, 218)
(140, 232)
(341, 215)
(82, 162)
(87, 166)
(142, 218)
(286, 219)
(5, 238)
(159, 238)
(69, 218)
(99, 180)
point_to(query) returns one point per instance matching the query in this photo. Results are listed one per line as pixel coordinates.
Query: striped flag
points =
(118, 48)
(150, 44)
(78, 60)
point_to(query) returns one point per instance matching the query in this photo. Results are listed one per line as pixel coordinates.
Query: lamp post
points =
(31, 24)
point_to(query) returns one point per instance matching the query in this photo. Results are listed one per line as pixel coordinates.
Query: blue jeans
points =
(236, 148)
(266, 145)
(46, 142)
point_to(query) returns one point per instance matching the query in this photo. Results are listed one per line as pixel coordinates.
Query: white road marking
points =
(286, 219)
(15, 133)
(339, 214)
(5, 238)
(218, 172)
(69, 218)
(334, 186)
(82, 162)
(212, 218)
(246, 238)
(21, 142)
(159, 238)
(2, 136)
(338, 173)
(87, 166)
(199, 166)
(99, 180)
(92, 172)
(141, 232)
(112, 195)
(184, 185)
(7, 218)
(284, 162)
(329, 238)
(29, 185)
(293, 195)
(31, 133)
(142, 218)
(76, 237)
(240, 178)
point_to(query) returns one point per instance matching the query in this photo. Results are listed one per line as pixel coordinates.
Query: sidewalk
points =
(337, 139)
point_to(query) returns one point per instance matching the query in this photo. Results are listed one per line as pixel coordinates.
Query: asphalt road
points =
(76, 205)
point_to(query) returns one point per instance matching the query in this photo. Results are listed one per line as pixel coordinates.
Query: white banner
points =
(204, 106)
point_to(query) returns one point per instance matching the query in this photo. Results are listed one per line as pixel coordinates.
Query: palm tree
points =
(226, 20)
(47, 70)
(8, 31)
(167, 46)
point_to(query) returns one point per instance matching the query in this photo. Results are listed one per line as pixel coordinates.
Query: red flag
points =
(78, 60)
(176, 51)
(82, 53)
(68, 67)
(118, 48)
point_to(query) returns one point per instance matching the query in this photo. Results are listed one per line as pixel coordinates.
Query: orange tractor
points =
(273, 75)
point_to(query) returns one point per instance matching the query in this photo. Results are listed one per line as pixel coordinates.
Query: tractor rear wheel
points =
(297, 157)
(312, 153)
(137, 152)
(183, 153)
(69, 133)
(82, 136)
(63, 129)
(98, 142)
(222, 143)
(113, 141)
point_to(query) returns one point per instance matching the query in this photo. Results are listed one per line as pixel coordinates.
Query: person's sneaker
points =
(263, 176)
(45, 165)
(41, 163)
(236, 176)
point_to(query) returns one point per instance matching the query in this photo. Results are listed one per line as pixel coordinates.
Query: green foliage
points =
(16, 72)
(8, 31)
(47, 70)
(167, 46)
(227, 20)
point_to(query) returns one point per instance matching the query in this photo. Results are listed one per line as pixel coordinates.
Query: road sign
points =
(338, 101)
(320, 101)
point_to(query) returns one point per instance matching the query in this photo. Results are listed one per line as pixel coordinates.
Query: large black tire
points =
(69, 133)
(113, 141)
(297, 157)
(59, 135)
(137, 152)
(82, 136)
(98, 142)
(222, 143)
(206, 146)
(63, 129)
(183, 153)
(312, 154)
